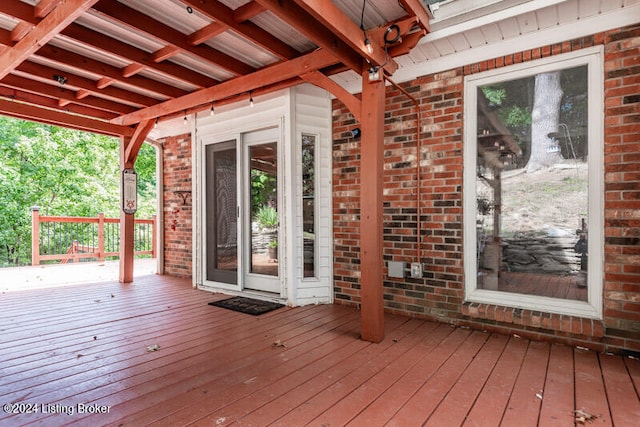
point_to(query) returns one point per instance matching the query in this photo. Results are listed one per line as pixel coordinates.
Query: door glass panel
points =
(263, 181)
(308, 204)
(532, 185)
(221, 213)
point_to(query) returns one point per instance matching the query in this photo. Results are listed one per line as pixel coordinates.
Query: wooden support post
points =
(101, 237)
(35, 235)
(154, 237)
(371, 185)
(126, 222)
(129, 148)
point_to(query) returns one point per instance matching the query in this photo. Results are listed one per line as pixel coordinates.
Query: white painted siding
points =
(312, 113)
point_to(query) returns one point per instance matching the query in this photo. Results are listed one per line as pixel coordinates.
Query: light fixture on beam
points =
(212, 110)
(250, 99)
(367, 44)
(185, 121)
(155, 125)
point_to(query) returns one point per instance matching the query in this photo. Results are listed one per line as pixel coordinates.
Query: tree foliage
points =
(64, 172)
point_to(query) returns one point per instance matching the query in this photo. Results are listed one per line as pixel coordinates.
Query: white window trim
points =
(593, 307)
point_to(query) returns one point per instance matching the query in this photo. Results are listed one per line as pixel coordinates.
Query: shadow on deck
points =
(86, 347)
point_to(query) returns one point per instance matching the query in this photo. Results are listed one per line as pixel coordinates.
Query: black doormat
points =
(247, 305)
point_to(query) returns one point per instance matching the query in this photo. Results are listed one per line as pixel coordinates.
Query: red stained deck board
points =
(623, 397)
(524, 405)
(490, 405)
(334, 371)
(368, 380)
(252, 378)
(589, 387)
(220, 369)
(215, 363)
(422, 404)
(558, 401)
(460, 399)
(431, 352)
(406, 386)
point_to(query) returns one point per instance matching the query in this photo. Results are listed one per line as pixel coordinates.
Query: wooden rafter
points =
(57, 118)
(48, 28)
(266, 76)
(112, 93)
(307, 24)
(80, 62)
(60, 92)
(331, 17)
(224, 16)
(141, 22)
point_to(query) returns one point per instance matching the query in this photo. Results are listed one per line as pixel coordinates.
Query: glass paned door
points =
(221, 213)
(263, 180)
(263, 216)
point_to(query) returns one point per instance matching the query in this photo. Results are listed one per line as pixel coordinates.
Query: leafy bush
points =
(267, 217)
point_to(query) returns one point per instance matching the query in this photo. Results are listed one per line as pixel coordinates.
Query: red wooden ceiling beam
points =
(80, 62)
(57, 118)
(330, 16)
(224, 15)
(60, 92)
(141, 22)
(51, 25)
(248, 11)
(112, 93)
(416, 8)
(140, 58)
(351, 102)
(20, 31)
(44, 101)
(266, 76)
(44, 7)
(307, 24)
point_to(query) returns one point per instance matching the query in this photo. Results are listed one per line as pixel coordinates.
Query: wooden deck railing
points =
(64, 239)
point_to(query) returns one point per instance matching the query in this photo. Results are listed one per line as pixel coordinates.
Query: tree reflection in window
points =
(531, 185)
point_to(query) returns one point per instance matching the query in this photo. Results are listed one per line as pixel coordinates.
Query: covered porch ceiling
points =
(108, 65)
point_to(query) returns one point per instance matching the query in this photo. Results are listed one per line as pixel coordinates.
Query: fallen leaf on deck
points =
(154, 347)
(539, 395)
(279, 343)
(80, 355)
(583, 417)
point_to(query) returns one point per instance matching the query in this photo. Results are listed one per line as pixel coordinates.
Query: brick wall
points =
(177, 215)
(439, 295)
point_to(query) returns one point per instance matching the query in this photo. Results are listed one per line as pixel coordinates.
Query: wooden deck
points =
(66, 347)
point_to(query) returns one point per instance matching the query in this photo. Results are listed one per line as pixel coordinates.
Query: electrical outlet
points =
(416, 270)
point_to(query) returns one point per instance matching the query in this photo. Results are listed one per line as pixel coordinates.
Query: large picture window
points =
(533, 185)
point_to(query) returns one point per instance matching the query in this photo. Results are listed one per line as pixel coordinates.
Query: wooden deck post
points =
(100, 237)
(154, 236)
(35, 235)
(129, 148)
(127, 222)
(371, 185)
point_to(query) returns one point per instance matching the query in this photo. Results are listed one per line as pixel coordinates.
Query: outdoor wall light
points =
(374, 74)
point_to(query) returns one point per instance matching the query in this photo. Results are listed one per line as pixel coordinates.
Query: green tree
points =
(64, 172)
